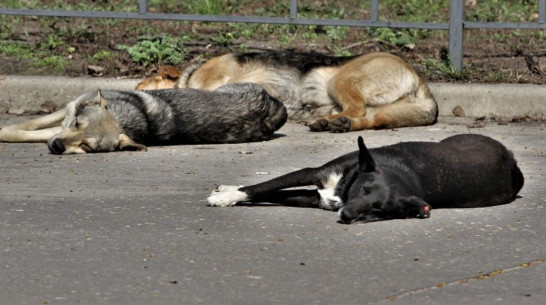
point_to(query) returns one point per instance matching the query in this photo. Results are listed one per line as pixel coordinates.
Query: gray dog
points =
(106, 121)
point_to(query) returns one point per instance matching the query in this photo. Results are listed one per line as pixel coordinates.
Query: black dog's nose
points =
(56, 147)
(345, 217)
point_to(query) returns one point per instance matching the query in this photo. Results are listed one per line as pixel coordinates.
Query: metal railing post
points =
(541, 11)
(456, 31)
(142, 6)
(293, 9)
(374, 10)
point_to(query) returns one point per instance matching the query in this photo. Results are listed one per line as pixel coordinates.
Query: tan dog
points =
(339, 94)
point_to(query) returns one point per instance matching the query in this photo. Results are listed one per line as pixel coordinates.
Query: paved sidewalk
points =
(134, 228)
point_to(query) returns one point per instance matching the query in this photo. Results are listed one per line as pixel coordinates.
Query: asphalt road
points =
(134, 228)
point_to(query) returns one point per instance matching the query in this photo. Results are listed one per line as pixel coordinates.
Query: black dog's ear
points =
(365, 160)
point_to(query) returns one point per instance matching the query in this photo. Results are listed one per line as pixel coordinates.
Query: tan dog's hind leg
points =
(35, 130)
(349, 97)
(402, 113)
(377, 90)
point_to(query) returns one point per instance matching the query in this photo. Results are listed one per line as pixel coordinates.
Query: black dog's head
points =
(375, 193)
(369, 191)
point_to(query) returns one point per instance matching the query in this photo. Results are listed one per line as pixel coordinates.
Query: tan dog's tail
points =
(186, 74)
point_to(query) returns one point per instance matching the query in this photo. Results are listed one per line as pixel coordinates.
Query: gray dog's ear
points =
(126, 143)
(365, 160)
(101, 100)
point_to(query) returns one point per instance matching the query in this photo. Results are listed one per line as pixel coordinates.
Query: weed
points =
(445, 68)
(103, 55)
(223, 39)
(166, 50)
(414, 10)
(209, 7)
(243, 48)
(395, 37)
(343, 52)
(336, 32)
(56, 62)
(54, 42)
(15, 49)
(501, 10)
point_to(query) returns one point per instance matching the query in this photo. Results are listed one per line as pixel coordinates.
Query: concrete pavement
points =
(134, 228)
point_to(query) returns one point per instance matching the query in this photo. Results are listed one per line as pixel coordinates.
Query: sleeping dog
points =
(329, 93)
(111, 120)
(398, 181)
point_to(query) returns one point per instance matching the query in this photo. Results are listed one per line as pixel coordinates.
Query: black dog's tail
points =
(517, 179)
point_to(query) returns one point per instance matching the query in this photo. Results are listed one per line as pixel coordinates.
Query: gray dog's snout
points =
(56, 146)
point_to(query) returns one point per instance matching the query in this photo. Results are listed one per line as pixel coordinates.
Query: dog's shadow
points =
(269, 204)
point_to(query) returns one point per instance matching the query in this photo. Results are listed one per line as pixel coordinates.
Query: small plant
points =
(243, 48)
(223, 39)
(165, 50)
(103, 55)
(54, 42)
(14, 49)
(445, 68)
(343, 52)
(209, 7)
(395, 37)
(336, 32)
(57, 62)
(285, 39)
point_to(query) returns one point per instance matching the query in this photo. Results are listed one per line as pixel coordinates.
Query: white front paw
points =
(226, 196)
(226, 188)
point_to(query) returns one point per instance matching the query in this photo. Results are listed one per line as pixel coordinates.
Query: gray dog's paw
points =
(226, 196)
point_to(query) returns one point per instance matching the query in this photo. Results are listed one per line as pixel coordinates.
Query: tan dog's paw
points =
(320, 125)
(341, 124)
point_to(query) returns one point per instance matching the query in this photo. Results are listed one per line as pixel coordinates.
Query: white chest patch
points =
(328, 199)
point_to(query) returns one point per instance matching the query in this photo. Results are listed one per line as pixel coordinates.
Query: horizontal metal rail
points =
(456, 24)
(221, 18)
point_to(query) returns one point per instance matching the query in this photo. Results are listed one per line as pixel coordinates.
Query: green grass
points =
(60, 35)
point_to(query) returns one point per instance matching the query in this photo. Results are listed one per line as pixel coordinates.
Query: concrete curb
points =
(499, 101)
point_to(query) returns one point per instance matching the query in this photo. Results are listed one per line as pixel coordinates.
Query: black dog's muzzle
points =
(345, 216)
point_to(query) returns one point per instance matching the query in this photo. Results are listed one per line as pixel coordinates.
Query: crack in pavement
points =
(461, 281)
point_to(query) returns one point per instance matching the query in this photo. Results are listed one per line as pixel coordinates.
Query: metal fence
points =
(455, 26)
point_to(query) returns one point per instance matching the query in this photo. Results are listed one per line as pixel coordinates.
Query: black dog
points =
(398, 181)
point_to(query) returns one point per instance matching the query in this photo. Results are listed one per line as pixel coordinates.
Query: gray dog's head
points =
(88, 127)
